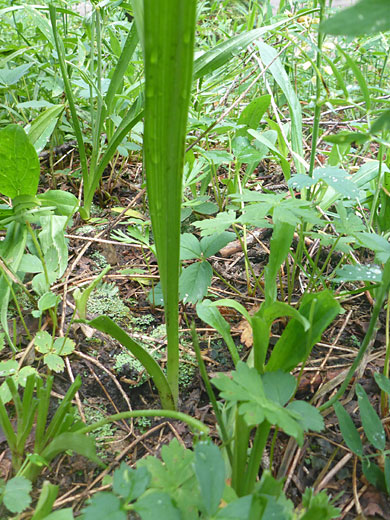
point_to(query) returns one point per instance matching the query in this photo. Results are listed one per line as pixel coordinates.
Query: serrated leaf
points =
(63, 346)
(54, 362)
(210, 472)
(194, 282)
(237, 510)
(309, 417)
(104, 505)
(348, 430)
(157, 504)
(218, 224)
(16, 496)
(19, 163)
(129, 483)
(8, 368)
(43, 341)
(372, 425)
(212, 244)
(189, 247)
(279, 386)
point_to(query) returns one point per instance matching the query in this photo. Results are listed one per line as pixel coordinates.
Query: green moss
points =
(106, 300)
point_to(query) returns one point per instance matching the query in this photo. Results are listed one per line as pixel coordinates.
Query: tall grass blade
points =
(169, 49)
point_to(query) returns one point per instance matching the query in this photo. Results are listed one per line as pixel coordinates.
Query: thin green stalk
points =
(384, 395)
(240, 454)
(317, 110)
(210, 393)
(256, 455)
(170, 414)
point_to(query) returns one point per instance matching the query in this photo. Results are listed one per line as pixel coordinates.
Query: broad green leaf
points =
(102, 506)
(47, 301)
(300, 181)
(62, 514)
(377, 243)
(16, 495)
(270, 58)
(372, 425)
(345, 137)
(64, 202)
(8, 368)
(366, 17)
(64, 346)
(348, 430)
(295, 344)
(382, 123)
(279, 386)
(237, 510)
(30, 264)
(210, 472)
(339, 180)
(308, 416)
(194, 282)
(45, 503)
(189, 247)
(210, 245)
(366, 273)
(218, 156)
(252, 114)
(52, 238)
(19, 164)
(54, 362)
(129, 483)
(43, 341)
(157, 504)
(169, 48)
(43, 126)
(233, 304)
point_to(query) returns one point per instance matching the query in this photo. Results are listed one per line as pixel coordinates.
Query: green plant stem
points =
(210, 393)
(240, 454)
(170, 414)
(384, 395)
(317, 110)
(256, 455)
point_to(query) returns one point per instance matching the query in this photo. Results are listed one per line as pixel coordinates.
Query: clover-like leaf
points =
(54, 362)
(43, 341)
(63, 346)
(16, 496)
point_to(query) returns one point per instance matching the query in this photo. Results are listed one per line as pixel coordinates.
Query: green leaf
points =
(45, 503)
(212, 244)
(104, 505)
(54, 362)
(308, 416)
(169, 48)
(19, 163)
(129, 483)
(348, 430)
(211, 315)
(189, 247)
(194, 282)
(12, 76)
(295, 343)
(366, 17)
(353, 273)
(8, 368)
(77, 442)
(52, 240)
(382, 123)
(383, 382)
(43, 126)
(374, 474)
(30, 264)
(338, 179)
(372, 425)
(157, 504)
(47, 301)
(279, 386)
(43, 341)
(237, 510)
(62, 514)
(210, 472)
(64, 346)
(252, 114)
(216, 225)
(16, 495)
(64, 202)
(387, 473)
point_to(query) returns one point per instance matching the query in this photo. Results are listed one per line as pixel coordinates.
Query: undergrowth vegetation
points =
(194, 259)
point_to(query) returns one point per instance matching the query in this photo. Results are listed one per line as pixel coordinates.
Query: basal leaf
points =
(129, 483)
(210, 472)
(19, 164)
(16, 495)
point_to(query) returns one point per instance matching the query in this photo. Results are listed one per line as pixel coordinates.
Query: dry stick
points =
(292, 469)
(354, 487)
(237, 102)
(352, 503)
(333, 472)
